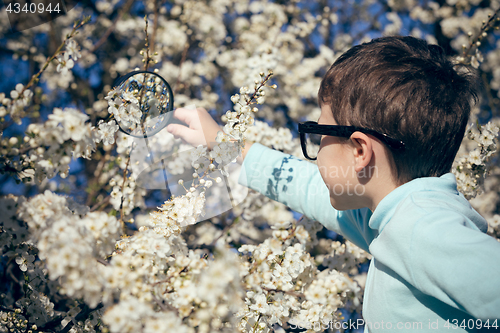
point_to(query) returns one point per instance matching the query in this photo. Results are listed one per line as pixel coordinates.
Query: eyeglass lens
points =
(312, 144)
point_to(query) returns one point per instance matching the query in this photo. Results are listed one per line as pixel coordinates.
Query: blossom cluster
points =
(66, 60)
(18, 243)
(70, 243)
(277, 138)
(125, 108)
(14, 106)
(291, 288)
(47, 149)
(472, 169)
(345, 257)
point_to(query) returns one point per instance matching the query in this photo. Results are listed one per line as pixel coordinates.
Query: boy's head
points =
(409, 90)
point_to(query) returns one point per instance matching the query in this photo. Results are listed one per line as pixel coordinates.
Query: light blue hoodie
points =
(433, 265)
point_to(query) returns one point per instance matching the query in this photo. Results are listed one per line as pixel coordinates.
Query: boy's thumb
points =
(173, 129)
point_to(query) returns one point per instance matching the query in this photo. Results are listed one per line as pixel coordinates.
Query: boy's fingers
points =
(180, 131)
(186, 115)
(188, 135)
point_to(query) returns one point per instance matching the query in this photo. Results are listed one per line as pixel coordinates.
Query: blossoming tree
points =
(86, 247)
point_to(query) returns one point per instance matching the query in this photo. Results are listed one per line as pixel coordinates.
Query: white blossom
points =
(72, 49)
(64, 63)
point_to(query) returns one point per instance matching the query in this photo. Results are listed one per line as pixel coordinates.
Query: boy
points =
(433, 267)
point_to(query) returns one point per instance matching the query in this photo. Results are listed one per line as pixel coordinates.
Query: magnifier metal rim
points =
(122, 79)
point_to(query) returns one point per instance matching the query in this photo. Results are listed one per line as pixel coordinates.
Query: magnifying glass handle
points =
(177, 121)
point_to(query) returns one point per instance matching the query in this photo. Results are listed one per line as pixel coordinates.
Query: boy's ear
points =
(362, 150)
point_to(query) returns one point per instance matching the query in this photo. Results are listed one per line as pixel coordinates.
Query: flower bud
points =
(13, 141)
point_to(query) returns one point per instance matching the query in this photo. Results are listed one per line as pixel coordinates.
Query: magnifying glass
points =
(147, 102)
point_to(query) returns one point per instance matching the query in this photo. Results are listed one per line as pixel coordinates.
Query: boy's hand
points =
(202, 128)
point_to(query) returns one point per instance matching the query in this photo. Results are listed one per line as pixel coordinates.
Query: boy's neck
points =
(377, 191)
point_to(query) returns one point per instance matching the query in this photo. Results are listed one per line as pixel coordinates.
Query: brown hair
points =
(409, 90)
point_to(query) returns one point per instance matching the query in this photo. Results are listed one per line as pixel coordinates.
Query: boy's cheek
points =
(324, 173)
(326, 167)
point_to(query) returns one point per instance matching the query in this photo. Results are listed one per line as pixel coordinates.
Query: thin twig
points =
(491, 23)
(225, 230)
(34, 79)
(11, 274)
(102, 261)
(112, 27)
(289, 292)
(160, 303)
(492, 101)
(148, 57)
(123, 188)
(256, 325)
(155, 27)
(100, 204)
(82, 315)
(97, 174)
(183, 58)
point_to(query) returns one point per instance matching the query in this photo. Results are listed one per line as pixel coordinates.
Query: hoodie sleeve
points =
(298, 184)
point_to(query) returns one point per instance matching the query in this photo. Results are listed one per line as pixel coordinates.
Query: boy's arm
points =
(281, 177)
(298, 184)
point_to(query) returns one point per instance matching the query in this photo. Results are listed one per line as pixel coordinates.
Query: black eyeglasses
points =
(316, 130)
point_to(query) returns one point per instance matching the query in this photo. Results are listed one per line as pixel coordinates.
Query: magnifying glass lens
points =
(143, 103)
